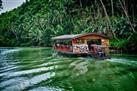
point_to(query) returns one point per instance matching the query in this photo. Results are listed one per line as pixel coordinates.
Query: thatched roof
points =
(73, 36)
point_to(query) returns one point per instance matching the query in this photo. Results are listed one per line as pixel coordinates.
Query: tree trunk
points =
(125, 11)
(108, 20)
(112, 7)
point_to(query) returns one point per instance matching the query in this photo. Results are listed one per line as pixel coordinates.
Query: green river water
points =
(40, 69)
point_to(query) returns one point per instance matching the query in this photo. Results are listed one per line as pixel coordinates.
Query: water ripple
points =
(47, 89)
(123, 61)
(30, 82)
(9, 51)
(12, 81)
(24, 72)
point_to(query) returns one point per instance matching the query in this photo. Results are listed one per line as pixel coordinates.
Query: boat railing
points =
(61, 47)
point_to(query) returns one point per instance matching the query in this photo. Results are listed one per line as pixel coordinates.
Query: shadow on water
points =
(38, 69)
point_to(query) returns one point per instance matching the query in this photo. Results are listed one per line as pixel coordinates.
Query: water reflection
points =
(35, 69)
(79, 67)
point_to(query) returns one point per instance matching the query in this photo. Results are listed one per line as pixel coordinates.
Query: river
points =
(40, 69)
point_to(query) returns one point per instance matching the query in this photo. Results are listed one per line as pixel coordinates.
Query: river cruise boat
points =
(92, 44)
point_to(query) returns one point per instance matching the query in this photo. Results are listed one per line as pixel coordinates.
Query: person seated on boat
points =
(100, 52)
(94, 49)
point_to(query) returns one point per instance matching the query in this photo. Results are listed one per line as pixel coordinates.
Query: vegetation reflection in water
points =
(37, 69)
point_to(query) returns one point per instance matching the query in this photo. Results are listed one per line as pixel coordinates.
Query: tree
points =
(37, 21)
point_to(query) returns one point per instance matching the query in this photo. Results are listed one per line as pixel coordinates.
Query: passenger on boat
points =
(97, 51)
(93, 49)
(100, 52)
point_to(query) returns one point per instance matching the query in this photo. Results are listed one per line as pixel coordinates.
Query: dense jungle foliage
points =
(35, 22)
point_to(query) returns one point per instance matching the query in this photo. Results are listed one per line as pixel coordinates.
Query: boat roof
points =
(73, 36)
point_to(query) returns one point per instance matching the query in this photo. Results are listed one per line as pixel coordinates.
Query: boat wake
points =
(123, 61)
(9, 51)
(30, 82)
